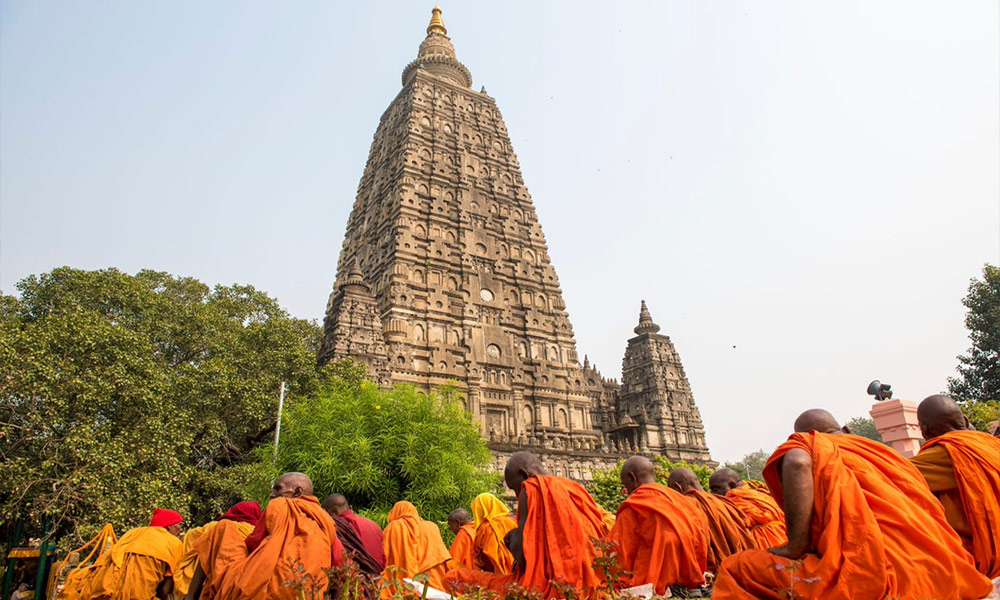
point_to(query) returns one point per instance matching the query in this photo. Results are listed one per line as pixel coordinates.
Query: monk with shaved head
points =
(861, 522)
(557, 519)
(661, 537)
(462, 550)
(767, 520)
(962, 468)
(294, 539)
(367, 530)
(728, 529)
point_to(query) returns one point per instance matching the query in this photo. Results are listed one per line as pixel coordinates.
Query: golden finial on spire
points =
(437, 23)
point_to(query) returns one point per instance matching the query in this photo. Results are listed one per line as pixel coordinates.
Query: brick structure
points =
(444, 256)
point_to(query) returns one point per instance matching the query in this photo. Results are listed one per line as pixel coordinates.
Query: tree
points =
(606, 486)
(121, 393)
(751, 466)
(978, 385)
(865, 427)
(380, 446)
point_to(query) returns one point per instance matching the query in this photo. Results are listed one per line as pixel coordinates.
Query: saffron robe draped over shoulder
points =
(728, 527)
(413, 546)
(463, 551)
(767, 520)
(491, 518)
(189, 558)
(295, 542)
(135, 566)
(661, 539)
(218, 548)
(962, 468)
(876, 532)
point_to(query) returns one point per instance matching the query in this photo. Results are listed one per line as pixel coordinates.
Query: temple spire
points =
(646, 324)
(437, 23)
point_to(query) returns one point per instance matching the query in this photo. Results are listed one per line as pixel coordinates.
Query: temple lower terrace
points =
(445, 276)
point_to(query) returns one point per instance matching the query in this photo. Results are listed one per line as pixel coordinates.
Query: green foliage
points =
(379, 446)
(751, 466)
(979, 369)
(121, 393)
(865, 427)
(607, 490)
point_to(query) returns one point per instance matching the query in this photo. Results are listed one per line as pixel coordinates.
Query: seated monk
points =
(557, 519)
(413, 546)
(492, 524)
(140, 564)
(354, 546)
(368, 531)
(661, 538)
(289, 551)
(962, 468)
(220, 543)
(463, 552)
(862, 525)
(767, 520)
(728, 527)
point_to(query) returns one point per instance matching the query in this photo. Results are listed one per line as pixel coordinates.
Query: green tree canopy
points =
(978, 383)
(606, 487)
(865, 427)
(380, 446)
(751, 466)
(120, 393)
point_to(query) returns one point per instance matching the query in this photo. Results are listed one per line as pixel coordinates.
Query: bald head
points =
(940, 414)
(457, 518)
(724, 480)
(521, 466)
(637, 470)
(818, 420)
(336, 504)
(683, 480)
(292, 485)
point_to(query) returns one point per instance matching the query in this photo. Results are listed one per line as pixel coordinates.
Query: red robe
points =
(370, 533)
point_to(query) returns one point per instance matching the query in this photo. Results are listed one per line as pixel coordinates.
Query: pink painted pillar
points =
(896, 420)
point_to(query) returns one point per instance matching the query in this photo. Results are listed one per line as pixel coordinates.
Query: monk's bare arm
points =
(797, 488)
(514, 538)
(197, 581)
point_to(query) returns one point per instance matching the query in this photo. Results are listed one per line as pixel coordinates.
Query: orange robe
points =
(962, 468)
(218, 548)
(300, 545)
(493, 522)
(767, 520)
(189, 559)
(463, 548)
(413, 546)
(135, 566)
(728, 527)
(877, 532)
(661, 539)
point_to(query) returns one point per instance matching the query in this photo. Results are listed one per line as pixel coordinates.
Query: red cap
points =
(243, 512)
(163, 517)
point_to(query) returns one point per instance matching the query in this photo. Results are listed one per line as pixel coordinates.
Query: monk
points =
(557, 519)
(661, 538)
(489, 515)
(962, 468)
(728, 528)
(220, 543)
(368, 530)
(767, 520)
(413, 546)
(862, 525)
(140, 564)
(354, 546)
(290, 549)
(463, 552)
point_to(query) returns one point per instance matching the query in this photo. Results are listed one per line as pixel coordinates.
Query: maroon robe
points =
(370, 534)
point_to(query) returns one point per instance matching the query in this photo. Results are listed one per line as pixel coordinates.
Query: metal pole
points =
(8, 578)
(40, 577)
(277, 428)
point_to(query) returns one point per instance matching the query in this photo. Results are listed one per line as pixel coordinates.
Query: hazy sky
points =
(801, 191)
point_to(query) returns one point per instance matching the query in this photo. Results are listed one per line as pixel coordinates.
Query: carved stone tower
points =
(656, 408)
(444, 253)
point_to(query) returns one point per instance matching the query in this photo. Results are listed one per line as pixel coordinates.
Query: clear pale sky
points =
(801, 191)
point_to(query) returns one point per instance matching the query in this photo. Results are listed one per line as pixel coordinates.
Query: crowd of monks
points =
(838, 516)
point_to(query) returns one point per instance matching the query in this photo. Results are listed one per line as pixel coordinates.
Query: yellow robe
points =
(189, 560)
(135, 566)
